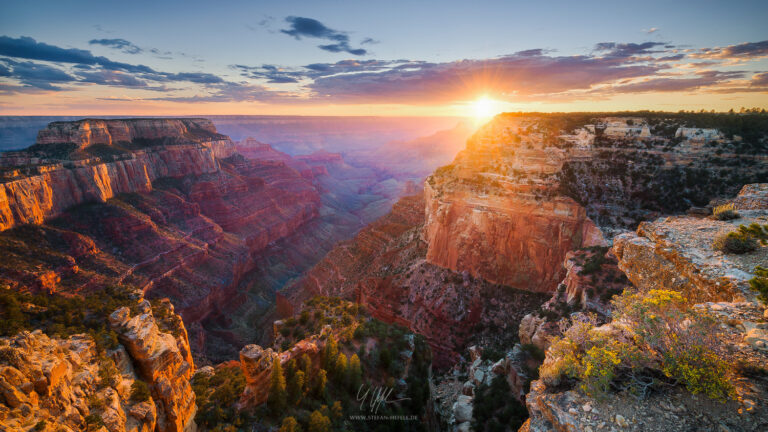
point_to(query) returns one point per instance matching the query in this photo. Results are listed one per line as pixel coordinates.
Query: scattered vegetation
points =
(725, 212)
(745, 239)
(494, 410)
(759, 283)
(140, 391)
(595, 261)
(216, 396)
(64, 316)
(319, 393)
(664, 342)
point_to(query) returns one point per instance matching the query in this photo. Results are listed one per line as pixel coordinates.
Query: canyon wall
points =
(184, 218)
(384, 267)
(89, 132)
(59, 184)
(65, 384)
(495, 212)
(529, 188)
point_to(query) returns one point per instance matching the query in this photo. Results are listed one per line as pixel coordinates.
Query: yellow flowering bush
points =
(661, 332)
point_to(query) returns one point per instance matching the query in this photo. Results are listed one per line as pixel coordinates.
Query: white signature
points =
(375, 397)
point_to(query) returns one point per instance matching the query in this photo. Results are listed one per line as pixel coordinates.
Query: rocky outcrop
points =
(89, 132)
(63, 384)
(529, 188)
(592, 278)
(196, 149)
(164, 361)
(675, 253)
(256, 363)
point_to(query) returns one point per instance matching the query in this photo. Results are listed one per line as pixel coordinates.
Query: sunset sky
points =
(413, 57)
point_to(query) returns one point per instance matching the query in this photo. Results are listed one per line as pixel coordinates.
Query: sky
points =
(417, 57)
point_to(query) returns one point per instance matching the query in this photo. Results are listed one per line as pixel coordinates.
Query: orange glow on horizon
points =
(485, 108)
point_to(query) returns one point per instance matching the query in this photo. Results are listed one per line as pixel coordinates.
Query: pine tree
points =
(341, 369)
(290, 425)
(296, 387)
(330, 352)
(305, 364)
(320, 381)
(336, 410)
(319, 423)
(355, 372)
(277, 399)
(290, 368)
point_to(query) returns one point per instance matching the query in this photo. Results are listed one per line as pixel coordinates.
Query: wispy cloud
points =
(301, 27)
(742, 51)
(119, 44)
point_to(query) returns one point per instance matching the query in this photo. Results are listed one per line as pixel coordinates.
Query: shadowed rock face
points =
(384, 268)
(184, 221)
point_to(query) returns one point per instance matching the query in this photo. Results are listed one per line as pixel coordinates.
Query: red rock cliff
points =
(495, 212)
(35, 198)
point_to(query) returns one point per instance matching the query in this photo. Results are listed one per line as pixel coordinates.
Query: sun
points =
(484, 108)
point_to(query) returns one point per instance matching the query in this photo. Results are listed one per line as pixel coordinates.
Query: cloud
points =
(234, 92)
(760, 80)
(301, 27)
(85, 67)
(743, 51)
(626, 50)
(271, 73)
(670, 84)
(194, 77)
(36, 75)
(651, 30)
(516, 76)
(274, 74)
(118, 44)
(28, 48)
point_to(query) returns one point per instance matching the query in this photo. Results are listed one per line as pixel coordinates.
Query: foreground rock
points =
(59, 384)
(676, 254)
(164, 361)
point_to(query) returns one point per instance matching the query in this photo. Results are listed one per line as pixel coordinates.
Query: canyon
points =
(535, 226)
(176, 209)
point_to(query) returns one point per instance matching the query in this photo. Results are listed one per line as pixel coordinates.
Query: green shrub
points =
(535, 352)
(108, 373)
(661, 333)
(94, 422)
(140, 391)
(735, 243)
(494, 406)
(759, 283)
(701, 371)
